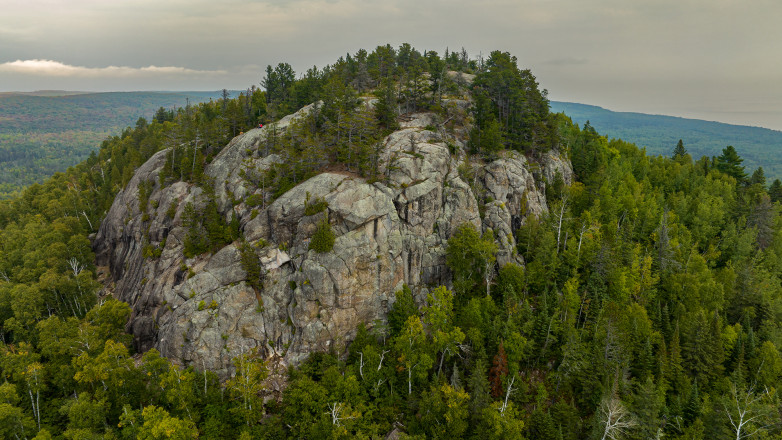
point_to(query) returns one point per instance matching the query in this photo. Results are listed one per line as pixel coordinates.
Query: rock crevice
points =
(204, 310)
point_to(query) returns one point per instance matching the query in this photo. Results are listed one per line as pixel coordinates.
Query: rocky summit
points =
(387, 233)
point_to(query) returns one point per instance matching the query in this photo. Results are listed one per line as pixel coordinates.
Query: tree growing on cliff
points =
(517, 104)
(323, 238)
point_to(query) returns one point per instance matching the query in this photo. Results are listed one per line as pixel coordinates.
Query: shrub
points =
(254, 200)
(317, 205)
(171, 212)
(323, 238)
(252, 265)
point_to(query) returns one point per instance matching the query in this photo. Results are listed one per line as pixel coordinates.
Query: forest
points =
(649, 304)
(45, 133)
(759, 146)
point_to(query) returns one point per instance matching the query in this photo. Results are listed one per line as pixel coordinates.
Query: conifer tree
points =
(403, 308)
(646, 407)
(679, 151)
(541, 426)
(675, 370)
(775, 191)
(729, 162)
(758, 177)
(479, 388)
(692, 408)
(386, 107)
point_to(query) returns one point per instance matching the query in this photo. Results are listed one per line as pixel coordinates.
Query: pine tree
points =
(323, 239)
(715, 350)
(479, 388)
(739, 374)
(679, 151)
(646, 407)
(386, 107)
(730, 163)
(758, 177)
(404, 307)
(675, 369)
(775, 192)
(541, 426)
(692, 408)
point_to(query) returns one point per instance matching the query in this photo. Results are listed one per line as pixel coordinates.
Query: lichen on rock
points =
(387, 233)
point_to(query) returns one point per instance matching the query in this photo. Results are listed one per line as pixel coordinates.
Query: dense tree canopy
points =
(649, 303)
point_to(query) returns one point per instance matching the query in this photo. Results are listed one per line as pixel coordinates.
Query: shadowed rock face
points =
(202, 311)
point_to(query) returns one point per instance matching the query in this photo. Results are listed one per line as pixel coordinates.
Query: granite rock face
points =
(203, 311)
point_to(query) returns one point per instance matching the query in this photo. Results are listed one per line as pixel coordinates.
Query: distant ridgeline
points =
(759, 147)
(644, 302)
(43, 133)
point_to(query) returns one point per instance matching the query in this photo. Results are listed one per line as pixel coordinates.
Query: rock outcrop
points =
(203, 311)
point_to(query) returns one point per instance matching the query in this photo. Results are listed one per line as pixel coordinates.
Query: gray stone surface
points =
(202, 311)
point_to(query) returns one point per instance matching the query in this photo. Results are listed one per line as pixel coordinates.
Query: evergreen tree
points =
(679, 151)
(404, 307)
(518, 106)
(692, 409)
(323, 238)
(675, 370)
(386, 107)
(729, 162)
(646, 407)
(758, 177)
(541, 426)
(775, 191)
(479, 388)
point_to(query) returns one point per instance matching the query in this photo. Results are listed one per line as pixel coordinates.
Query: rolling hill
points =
(659, 135)
(44, 132)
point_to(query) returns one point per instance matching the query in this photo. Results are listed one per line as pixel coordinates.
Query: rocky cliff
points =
(203, 310)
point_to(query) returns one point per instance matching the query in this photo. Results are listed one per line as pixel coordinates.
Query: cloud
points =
(58, 69)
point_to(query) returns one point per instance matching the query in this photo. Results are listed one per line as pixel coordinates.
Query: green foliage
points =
(150, 251)
(386, 106)
(207, 231)
(659, 134)
(246, 386)
(43, 134)
(471, 259)
(172, 208)
(254, 200)
(315, 206)
(650, 290)
(444, 412)
(679, 151)
(155, 423)
(509, 109)
(403, 308)
(323, 239)
(729, 163)
(775, 191)
(251, 264)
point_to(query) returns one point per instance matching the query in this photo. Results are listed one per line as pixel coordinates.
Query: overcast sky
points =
(708, 59)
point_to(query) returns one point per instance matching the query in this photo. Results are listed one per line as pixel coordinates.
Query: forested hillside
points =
(648, 304)
(760, 147)
(45, 133)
